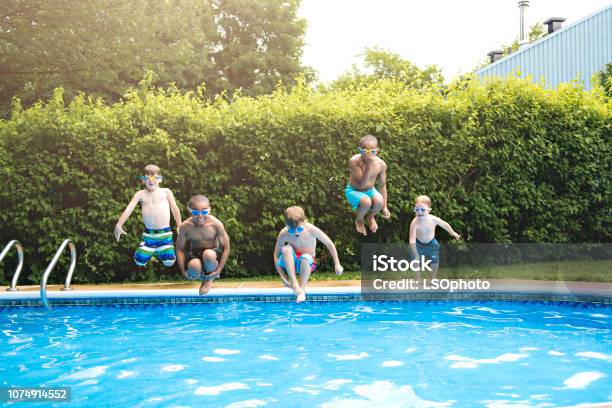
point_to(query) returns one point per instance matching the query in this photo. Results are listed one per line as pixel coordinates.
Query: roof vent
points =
(554, 24)
(495, 55)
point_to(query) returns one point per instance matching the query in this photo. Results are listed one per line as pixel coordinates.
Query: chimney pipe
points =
(523, 4)
(554, 24)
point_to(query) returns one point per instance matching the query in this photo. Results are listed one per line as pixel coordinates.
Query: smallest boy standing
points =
(296, 248)
(156, 203)
(422, 235)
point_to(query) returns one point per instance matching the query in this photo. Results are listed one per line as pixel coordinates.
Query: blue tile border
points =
(535, 297)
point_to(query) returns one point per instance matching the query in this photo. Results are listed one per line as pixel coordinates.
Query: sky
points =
(455, 35)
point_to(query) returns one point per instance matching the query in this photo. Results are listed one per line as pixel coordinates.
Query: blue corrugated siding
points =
(575, 52)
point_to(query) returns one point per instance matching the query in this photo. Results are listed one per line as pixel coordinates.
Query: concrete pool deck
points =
(273, 287)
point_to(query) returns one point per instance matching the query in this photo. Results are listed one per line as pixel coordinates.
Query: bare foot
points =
(205, 286)
(360, 227)
(373, 224)
(301, 296)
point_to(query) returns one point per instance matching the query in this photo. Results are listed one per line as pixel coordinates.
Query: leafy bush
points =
(505, 161)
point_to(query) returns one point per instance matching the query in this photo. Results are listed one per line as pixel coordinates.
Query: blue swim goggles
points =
(293, 230)
(420, 210)
(195, 213)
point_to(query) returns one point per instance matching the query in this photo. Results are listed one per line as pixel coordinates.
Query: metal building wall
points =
(577, 51)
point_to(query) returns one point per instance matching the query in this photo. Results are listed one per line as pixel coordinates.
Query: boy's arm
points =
(126, 214)
(447, 227)
(180, 250)
(361, 175)
(321, 236)
(412, 239)
(224, 242)
(277, 249)
(382, 185)
(176, 213)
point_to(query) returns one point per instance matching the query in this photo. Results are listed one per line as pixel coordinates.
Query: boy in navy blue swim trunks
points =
(295, 251)
(422, 235)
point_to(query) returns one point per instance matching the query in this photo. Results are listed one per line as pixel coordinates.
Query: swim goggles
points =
(373, 151)
(420, 210)
(292, 230)
(152, 178)
(195, 213)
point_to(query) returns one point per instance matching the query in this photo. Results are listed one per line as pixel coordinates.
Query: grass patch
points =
(577, 271)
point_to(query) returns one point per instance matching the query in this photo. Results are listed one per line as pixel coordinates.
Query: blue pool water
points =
(353, 354)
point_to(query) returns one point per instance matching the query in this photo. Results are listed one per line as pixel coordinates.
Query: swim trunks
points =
(431, 250)
(156, 243)
(354, 196)
(297, 259)
(196, 253)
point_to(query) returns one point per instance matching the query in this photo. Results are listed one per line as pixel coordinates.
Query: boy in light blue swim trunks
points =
(366, 168)
(422, 234)
(157, 204)
(295, 251)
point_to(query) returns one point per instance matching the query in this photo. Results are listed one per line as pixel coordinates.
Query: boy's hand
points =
(385, 213)
(339, 269)
(118, 232)
(457, 236)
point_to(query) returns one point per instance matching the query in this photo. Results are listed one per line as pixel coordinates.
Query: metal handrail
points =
(43, 283)
(5, 251)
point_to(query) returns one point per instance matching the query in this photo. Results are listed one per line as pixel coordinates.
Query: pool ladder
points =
(19, 249)
(43, 282)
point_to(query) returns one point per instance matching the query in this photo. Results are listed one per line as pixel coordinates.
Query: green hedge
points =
(505, 161)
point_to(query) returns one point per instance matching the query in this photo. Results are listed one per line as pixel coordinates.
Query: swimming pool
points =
(329, 354)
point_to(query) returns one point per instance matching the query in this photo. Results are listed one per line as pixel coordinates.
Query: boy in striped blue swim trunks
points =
(157, 204)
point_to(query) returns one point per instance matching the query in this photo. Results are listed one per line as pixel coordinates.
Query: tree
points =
(382, 64)
(102, 47)
(259, 45)
(536, 32)
(604, 77)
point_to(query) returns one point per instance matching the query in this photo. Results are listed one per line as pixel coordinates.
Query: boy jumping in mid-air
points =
(156, 203)
(366, 167)
(295, 251)
(422, 234)
(208, 241)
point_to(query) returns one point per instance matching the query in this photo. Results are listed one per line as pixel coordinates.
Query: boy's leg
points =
(377, 205)
(307, 266)
(434, 270)
(143, 254)
(289, 263)
(194, 267)
(209, 259)
(365, 203)
(164, 247)
(361, 203)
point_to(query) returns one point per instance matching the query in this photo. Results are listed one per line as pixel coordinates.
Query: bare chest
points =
(202, 236)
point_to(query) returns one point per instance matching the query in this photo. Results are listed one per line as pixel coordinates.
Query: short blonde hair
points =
(152, 170)
(294, 216)
(423, 199)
